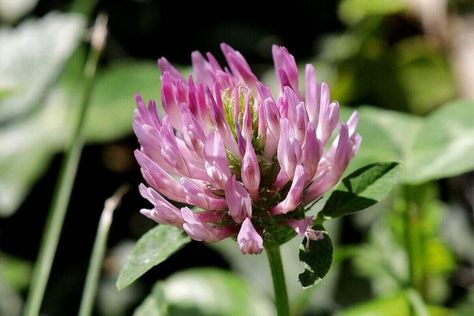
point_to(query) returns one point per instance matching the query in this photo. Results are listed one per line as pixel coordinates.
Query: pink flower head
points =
(245, 159)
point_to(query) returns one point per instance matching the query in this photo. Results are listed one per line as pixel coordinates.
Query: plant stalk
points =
(98, 251)
(63, 189)
(278, 277)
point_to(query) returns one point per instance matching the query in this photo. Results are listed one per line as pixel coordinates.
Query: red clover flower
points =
(248, 163)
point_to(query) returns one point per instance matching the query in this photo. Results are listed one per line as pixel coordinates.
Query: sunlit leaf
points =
(14, 272)
(440, 145)
(113, 101)
(14, 277)
(214, 292)
(12, 10)
(361, 189)
(27, 148)
(444, 146)
(395, 305)
(353, 11)
(151, 249)
(154, 304)
(33, 55)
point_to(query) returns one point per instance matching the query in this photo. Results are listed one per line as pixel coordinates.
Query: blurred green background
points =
(407, 65)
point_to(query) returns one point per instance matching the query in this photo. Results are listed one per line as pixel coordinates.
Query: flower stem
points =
(100, 243)
(278, 276)
(413, 223)
(417, 198)
(63, 188)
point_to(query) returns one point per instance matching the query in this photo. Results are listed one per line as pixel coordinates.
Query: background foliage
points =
(401, 64)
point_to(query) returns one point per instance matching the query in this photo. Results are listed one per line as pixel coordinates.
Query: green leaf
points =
(353, 11)
(386, 136)
(151, 249)
(361, 189)
(212, 292)
(444, 145)
(33, 55)
(112, 102)
(395, 305)
(154, 304)
(437, 146)
(14, 272)
(12, 10)
(317, 259)
(14, 277)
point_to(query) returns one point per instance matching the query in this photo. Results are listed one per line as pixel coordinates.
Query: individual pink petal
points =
(202, 110)
(288, 154)
(328, 115)
(352, 123)
(262, 123)
(273, 116)
(286, 67)
(168, 100)
(250, 171)
(247, 121)
(272, 136)
(241, 143)
(203, 69)
(295, 194)
(192, 133)
(311, 153)
(238, 200)
(312, 95)
(163, 212)
(199, 230)
(239, 65)
(356, 139)
(217, 166)
(196, 194)
(213, 62)
(343, 150)
(249, 241)
(159, 179)
(331, 167)
(218, 117)
(301, 122)
(170, 151)
(149, 139)
(287, 103)
(165, 66)
(192, 98)
(264, 91)
(146, 114)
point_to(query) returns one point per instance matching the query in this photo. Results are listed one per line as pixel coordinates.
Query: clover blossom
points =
(248, 162)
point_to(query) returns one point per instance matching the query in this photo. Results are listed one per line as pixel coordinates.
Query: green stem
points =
(412, 228)
(65, 183)
(417, 199)
(95, 264)
(278, 276)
